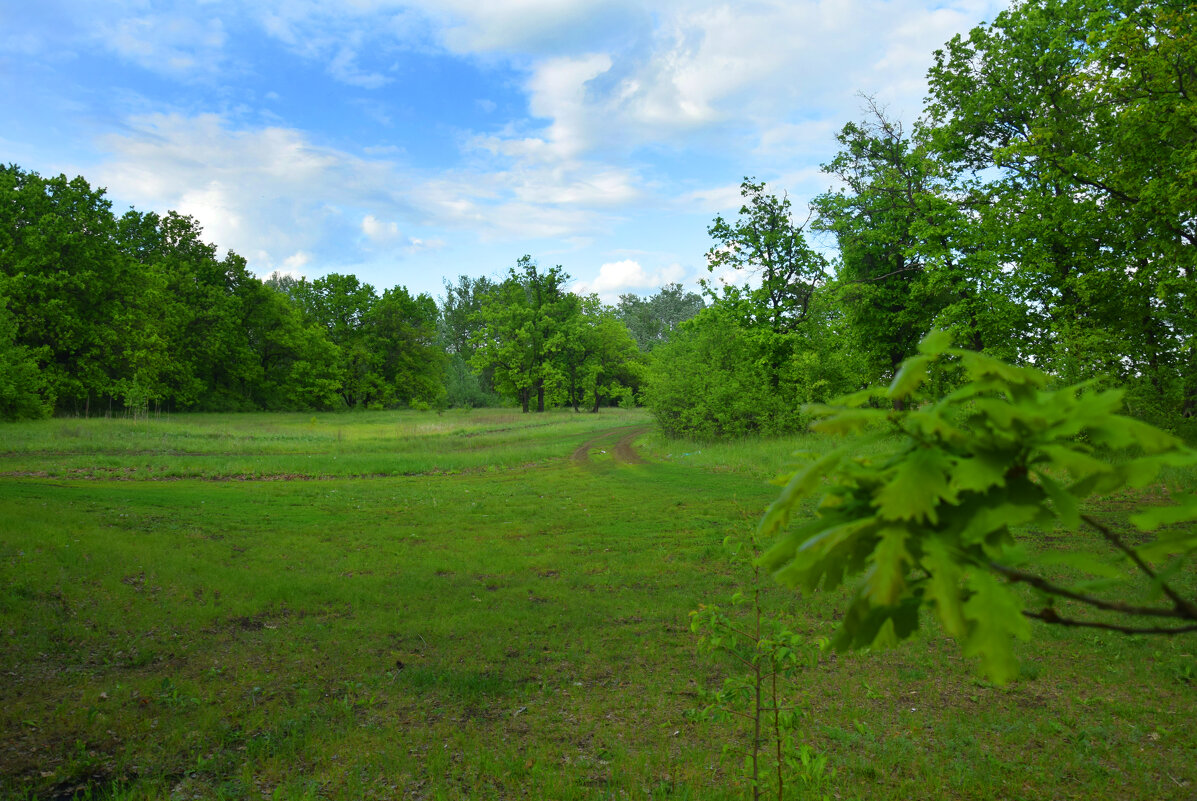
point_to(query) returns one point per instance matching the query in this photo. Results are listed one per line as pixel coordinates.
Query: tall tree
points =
(460, 319)
(294, 364)
(767, 243)
(403, 332)
(198, 310)
(600, 358)
(81, 307)
(907, 260)
(652, 319)
(1075, 125)
(342, 304)
(523, 330)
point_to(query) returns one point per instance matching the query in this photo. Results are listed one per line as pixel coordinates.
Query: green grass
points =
(449, 606)
(286, 446)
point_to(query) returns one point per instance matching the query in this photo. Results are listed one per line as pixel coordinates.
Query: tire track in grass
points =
(621, 450)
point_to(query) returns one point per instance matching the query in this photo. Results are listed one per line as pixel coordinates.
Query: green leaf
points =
(1170, 544)
(943, 585)
(989, 519)
(1011, 421)
(868, 626)
(978, 472)
(1116, 431)
(935, 343)
(848, 421)
(911, 374)
(994, 614)
(828, 554)
(932, 424)
(801, 484)
(886, 580)
(1142, 471)
(1063, 501)
(978, 365)
(782, 552)
(919, 483)
(1078, 463)
(852, 400)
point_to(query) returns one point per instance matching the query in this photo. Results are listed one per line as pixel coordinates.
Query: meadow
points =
(483, 605)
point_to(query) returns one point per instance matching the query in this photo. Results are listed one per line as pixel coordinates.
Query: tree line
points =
(102, 314)
(1042, 209)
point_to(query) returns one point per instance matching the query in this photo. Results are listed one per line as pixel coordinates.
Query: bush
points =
(716, 378)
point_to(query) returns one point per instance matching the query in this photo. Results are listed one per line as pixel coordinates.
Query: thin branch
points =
(737, 712)
(743, 634)
(1049, 616)
(1040, 583)
(887, 275)
(1184, 607)
(740, 659)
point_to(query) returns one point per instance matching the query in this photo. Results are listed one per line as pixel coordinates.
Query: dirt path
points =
(620, 449)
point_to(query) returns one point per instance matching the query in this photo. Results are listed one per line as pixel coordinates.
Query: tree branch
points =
(1043, 584)
(1049, 616)
(1184, 607)
(887, 275)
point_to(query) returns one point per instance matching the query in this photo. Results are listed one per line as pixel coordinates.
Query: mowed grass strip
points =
(291, 446)
(513, 632)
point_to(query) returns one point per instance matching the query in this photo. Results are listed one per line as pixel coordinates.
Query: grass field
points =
(480, 605)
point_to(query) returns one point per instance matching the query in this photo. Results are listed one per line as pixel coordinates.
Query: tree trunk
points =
(540, 394)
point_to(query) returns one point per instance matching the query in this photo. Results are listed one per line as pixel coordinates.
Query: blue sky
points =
(407, 142)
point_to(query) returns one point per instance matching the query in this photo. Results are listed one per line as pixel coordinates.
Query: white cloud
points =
(344, 68)
(416, 244)
(775, 78)
(378, 231)
(714, 200)
(621, 277)
(268, 193)
(293, 265)
(610, 86)
(173, 44)
(529, 26)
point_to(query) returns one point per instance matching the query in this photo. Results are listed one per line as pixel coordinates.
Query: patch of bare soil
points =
(624, 452)
(621, 449)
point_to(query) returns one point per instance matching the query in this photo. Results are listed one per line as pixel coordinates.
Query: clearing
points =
(479, 605)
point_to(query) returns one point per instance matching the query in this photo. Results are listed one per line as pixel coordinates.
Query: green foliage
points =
(771, 657)
(116, 315)
(600, 358)
(712, 380)
(465, 387)
(459, 321)
(651, 320)
(22, 386)
(719, 378)
(930, 521)
(540, 344)
(767, 243)
(1067, 127)
(522, 330)
(82, 308)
